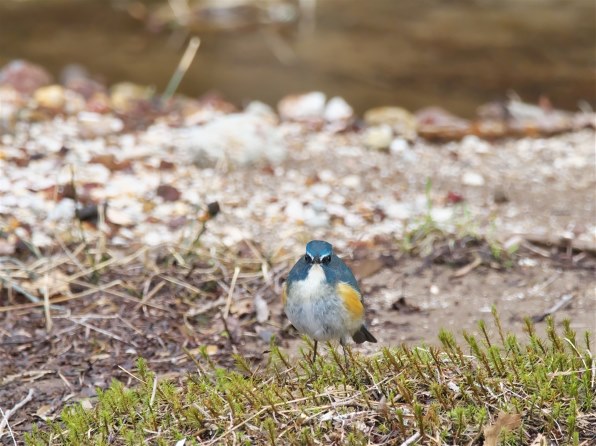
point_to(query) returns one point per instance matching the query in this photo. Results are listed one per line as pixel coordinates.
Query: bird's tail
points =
(363, 335)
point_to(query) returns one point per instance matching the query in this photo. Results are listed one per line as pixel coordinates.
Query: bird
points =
(322, 299)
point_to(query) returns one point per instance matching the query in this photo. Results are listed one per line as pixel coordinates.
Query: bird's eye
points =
(308, 258)
(325, 260)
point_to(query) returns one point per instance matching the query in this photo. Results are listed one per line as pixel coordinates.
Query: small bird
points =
(322, 299)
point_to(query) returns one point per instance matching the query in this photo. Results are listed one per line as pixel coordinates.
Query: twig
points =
(18, 289)
(468, 268)
(561, 303)
(231, 292)
(104, 332)
(16, 407)
(411, 440)
(185, 61)
(46, 303)
(153, 392)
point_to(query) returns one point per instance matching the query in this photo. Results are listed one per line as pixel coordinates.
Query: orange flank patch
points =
(284, 294)
(351, 299)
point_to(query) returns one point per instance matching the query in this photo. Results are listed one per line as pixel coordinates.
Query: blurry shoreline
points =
(414, 54)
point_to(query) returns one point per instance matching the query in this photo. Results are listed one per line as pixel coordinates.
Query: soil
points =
(409, 297)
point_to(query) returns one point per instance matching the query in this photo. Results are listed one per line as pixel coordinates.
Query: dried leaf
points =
(404, 307)
(367, 267)
(540, 440)
(55, 281)
(211, 349)
(44, 411)
(168, 193)
(7, 248)
(508, 421)
(261, 309)
(110, 161)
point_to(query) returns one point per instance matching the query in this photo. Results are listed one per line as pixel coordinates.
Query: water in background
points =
(413, 53)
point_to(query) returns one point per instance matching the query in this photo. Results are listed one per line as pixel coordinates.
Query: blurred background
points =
(412, 53)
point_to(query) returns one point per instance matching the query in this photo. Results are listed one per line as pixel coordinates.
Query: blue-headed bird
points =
(323, 300)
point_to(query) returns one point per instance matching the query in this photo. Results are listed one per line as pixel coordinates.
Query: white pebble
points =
(473, 179)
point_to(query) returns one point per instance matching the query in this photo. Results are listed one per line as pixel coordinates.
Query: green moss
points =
(450, 392)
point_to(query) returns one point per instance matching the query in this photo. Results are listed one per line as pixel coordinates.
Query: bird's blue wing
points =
(299, 271)
(340, 272)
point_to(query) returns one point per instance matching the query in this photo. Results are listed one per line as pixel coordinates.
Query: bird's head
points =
(319, 252)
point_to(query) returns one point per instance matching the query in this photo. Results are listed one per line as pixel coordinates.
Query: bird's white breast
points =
(313, 286)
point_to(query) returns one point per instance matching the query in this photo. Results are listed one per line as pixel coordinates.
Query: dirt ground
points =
(535, 193)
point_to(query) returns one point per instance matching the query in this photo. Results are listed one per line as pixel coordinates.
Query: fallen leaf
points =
(508, 421)
(211, 349)
(44, 412)
(55, 281)
(7, 248)
(468, 268)
(261, 309)
(404, 307)
(168, 193)
(454, 197)
(367, 267)
(110, 161)
(540, 440)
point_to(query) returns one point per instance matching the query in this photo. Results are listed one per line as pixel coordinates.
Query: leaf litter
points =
(133, 227)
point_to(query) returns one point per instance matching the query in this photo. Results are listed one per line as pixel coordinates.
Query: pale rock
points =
(337, 109)
(96, 173)
(64, 210)
(41, 239)
(125, 95)
(378, 137)
(352, 182)
(96, 124)
(401, 147)
(337, 210)
(316, 219)
(472, 179)
(401, 121)
(319, 206)
(441, 215)
(239, 139)
(353, 220)
(294, 210)
(327, 176)
(302, 107)
(474, 144)
(320, 190)
(156, 235)
(398, 210)
(262, 110)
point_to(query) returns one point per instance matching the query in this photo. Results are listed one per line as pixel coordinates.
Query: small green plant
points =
(458, 241)
(449, 392)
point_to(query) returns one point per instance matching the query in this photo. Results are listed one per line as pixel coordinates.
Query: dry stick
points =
(153, 391)
(104, 332)
(411, 440)
(183, 65)
(561, 303)
(16, 407)
(9, 429)
(231, 292)
(104, 288)
(46, 303)
(9, 283)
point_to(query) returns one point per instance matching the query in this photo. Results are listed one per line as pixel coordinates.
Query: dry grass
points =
(438, 395)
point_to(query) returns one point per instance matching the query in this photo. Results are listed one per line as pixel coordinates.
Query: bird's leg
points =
(314, 355)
